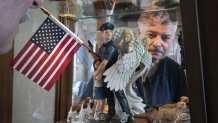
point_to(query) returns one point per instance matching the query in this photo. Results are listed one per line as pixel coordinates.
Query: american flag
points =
(45, 56)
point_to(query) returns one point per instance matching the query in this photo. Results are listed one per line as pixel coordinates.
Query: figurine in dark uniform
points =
(108, 55)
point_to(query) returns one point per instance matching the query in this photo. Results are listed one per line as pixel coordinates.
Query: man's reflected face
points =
(107, 35)
(160, 33)
(13, 12)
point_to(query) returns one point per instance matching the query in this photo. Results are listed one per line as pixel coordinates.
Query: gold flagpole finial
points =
(45, 11)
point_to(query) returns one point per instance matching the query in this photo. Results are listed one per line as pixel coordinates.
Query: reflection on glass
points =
(157, 24)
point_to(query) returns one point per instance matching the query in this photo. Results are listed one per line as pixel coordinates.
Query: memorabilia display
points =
(124, 65)
(129, 42)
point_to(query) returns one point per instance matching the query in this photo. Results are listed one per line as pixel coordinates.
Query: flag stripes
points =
(46, 67)
(45, 56)
(36, 65)
(45, 64)
(32, 63)
(55, 61)
(61, 66)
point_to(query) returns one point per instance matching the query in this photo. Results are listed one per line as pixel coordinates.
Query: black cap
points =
(106, 26)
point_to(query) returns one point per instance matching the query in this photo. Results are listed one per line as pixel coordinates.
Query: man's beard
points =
(158, 54)
(156, 49)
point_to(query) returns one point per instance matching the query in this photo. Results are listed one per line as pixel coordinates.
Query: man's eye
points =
(151, 35)
(165, 38)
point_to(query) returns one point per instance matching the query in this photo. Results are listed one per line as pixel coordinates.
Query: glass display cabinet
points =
(23, 102)
(85, 18)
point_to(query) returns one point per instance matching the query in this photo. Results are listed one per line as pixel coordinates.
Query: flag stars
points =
(48, 36)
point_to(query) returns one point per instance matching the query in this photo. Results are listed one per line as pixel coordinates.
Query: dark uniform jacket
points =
(109, 51)
(167, 85)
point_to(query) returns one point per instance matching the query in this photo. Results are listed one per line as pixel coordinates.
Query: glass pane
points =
(153, 80)
(143, 64)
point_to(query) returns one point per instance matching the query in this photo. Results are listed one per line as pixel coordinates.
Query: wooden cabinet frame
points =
(193, 57)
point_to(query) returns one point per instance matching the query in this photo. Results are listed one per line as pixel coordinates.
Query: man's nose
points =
(157, 41)
(36, 3)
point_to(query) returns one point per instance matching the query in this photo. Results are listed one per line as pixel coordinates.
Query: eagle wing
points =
(119, 74)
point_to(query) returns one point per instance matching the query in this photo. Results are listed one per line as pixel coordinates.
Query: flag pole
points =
(93, 54)
(45, 11)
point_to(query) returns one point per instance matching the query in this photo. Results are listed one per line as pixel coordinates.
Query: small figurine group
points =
(108, 54)
(121, 53)
(81, 112)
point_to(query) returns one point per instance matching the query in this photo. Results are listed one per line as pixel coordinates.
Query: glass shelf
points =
(122, 14)
(96, 9)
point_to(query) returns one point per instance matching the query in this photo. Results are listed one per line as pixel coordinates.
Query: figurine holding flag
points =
(108, 56)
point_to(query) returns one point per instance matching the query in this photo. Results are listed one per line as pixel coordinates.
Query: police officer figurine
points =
(109, 54)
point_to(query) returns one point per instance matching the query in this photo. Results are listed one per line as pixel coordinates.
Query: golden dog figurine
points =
(172, 114)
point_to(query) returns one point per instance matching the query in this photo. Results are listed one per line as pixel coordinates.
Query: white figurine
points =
(83, 113)
(122, 74)
(124, 117)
